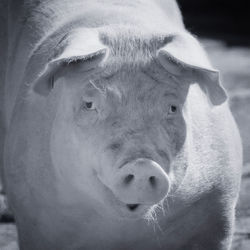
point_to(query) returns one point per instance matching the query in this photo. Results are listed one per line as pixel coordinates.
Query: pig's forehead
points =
(140, 77)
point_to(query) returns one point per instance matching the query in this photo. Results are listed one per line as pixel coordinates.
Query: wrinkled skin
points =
(80, 129)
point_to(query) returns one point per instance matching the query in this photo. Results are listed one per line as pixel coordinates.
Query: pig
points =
(119, 134)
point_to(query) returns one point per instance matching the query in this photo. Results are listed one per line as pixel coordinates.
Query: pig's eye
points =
(172, 109)
(88, 106)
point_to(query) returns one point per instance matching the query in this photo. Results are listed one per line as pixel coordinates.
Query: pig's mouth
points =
(133, 210)
(132, 207)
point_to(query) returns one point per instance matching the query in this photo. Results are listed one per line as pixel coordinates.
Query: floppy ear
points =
(183, 56)
(81, 46)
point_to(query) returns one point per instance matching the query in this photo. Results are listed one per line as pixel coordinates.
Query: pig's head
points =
(120, 121)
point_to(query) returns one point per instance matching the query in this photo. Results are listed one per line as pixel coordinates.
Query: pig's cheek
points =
(177, 135)
(79, 170)
(177, 141)
(105, 162)
(86, 119)
(180, 135)
(170, 135)
(92, 149)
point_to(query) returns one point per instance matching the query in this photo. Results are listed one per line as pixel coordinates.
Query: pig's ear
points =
(81, 47)
(184, 57)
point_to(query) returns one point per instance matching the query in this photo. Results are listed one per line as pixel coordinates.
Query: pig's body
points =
(63, 169)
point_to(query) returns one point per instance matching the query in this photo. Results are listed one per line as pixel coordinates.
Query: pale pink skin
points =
(64, 160)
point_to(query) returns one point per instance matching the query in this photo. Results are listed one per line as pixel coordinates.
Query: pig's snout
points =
(141, 181)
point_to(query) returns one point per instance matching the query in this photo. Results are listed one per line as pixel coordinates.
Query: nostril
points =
(152, 181)
(128, 178)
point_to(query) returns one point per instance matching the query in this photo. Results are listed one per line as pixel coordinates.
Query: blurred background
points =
(224, 30)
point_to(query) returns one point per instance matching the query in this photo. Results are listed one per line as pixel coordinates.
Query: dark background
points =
(219, 19)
